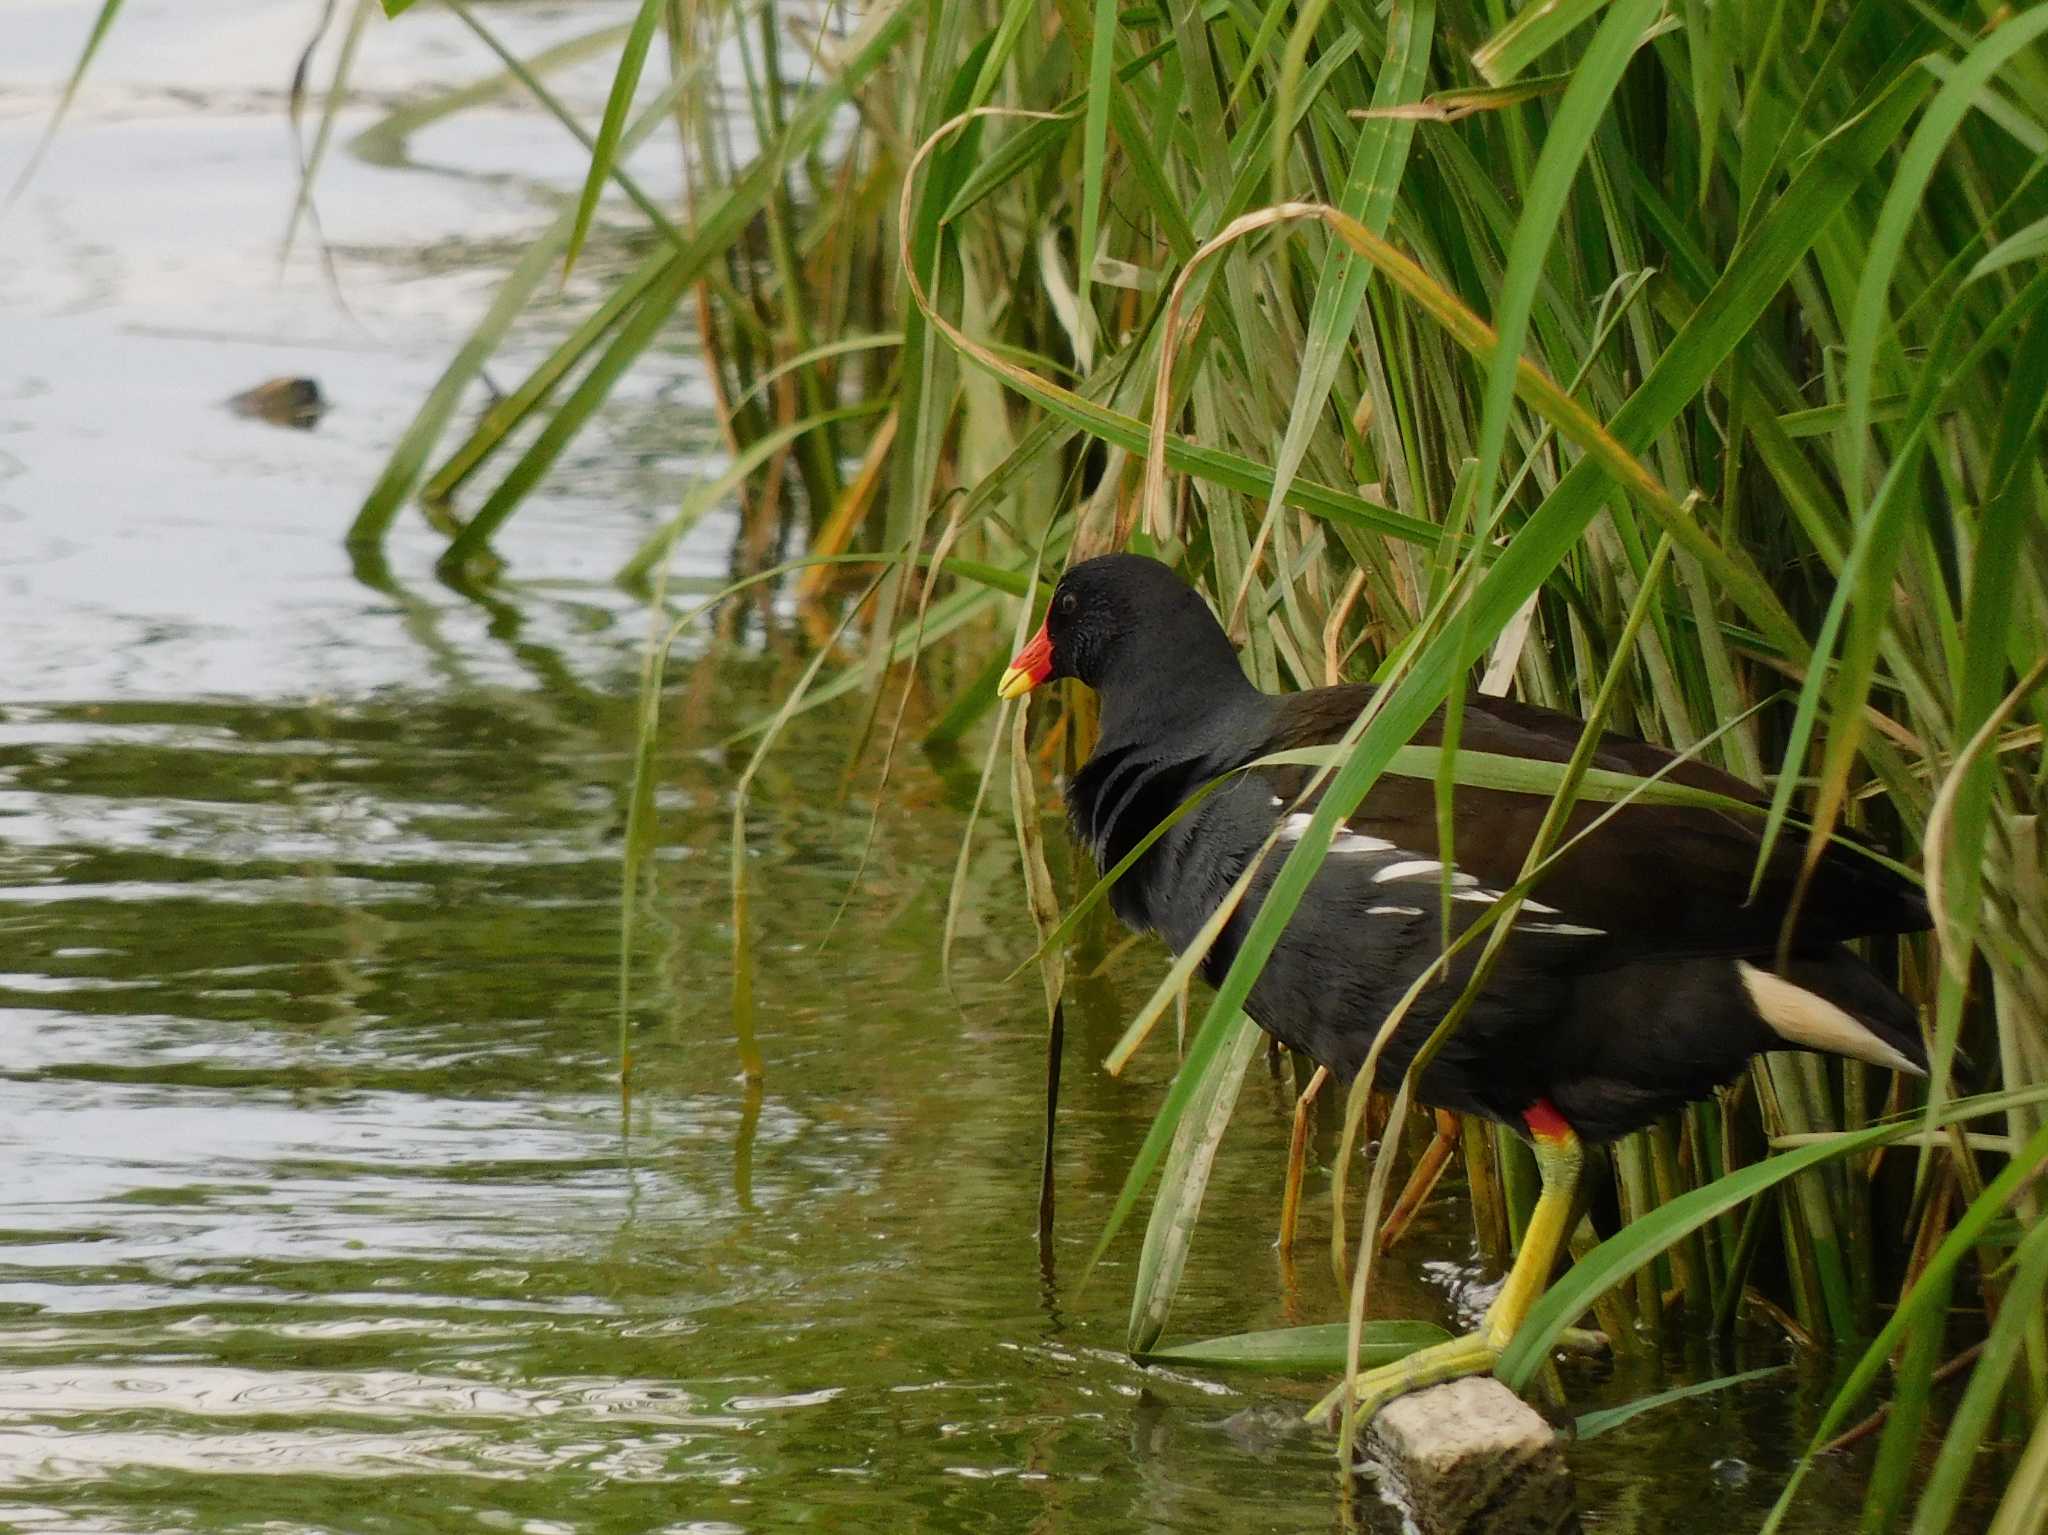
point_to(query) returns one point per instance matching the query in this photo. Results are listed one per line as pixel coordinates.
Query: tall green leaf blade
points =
(1095, 147)
(506, 414)
(102, 22)
(1592, 1425)
(653, 311)
(1881, 257)
(632, 59)
(726, 217)
(408, 459)
(1935, 1275)
(1171, 1228)
(1543, 200)
(1368, 196)
(1879, 537)
(1538, 26)
(2028, 244)
(656, 547)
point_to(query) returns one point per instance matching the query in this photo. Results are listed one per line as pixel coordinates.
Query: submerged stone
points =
(1472, 1458)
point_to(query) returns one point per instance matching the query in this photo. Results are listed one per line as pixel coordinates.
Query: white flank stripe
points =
(1407, 869)
(1358, 842)
(1344, 842)
(1802, 1017)
(1393, 911)
(1483, 897)
(1538, 906)
(1414, 868)
(1567, 929)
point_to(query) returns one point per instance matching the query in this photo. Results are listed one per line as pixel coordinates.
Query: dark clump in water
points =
(293, 402)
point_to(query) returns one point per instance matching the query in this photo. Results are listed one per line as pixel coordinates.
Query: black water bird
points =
(1639, 974)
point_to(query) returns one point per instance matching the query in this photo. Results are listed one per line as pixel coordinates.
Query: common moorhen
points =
(1639, 975)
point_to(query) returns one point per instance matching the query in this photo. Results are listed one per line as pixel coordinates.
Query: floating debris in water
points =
(294, 402)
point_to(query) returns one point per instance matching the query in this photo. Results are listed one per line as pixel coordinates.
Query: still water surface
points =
(320, 1212)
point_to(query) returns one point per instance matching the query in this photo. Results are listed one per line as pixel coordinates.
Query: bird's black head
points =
(1124, 622)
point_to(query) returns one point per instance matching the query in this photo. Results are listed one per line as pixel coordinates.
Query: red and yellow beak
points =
(1031, 667)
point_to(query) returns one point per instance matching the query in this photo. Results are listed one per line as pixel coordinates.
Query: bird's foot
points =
(1474, 1354)
(1558, 1161)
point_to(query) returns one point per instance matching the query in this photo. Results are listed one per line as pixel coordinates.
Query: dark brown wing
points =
(1657, 879)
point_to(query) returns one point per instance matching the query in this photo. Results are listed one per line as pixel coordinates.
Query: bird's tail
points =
(1830, 1000)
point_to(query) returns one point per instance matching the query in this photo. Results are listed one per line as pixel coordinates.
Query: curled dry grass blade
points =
(1729, 568)
(1368, 197)
(1231, 470)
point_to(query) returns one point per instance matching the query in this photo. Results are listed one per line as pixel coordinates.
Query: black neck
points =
(1183, 700)
(1191, 720)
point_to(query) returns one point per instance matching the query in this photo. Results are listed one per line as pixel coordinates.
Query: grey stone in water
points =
(1472, 1458)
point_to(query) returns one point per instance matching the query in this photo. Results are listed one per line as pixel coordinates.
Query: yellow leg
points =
(1558, 1160)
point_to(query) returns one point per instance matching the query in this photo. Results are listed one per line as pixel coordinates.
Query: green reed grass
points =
(1284, 294)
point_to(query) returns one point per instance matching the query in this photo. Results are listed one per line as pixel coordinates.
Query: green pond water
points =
(319, 1210)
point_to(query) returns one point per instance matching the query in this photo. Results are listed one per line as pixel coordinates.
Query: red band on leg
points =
(1545, 1123)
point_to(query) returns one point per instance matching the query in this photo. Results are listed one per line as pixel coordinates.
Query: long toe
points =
(1450, 1360)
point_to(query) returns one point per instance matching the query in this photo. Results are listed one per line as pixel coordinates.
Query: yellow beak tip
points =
(1015, 684)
